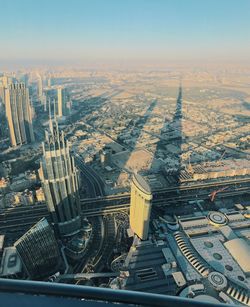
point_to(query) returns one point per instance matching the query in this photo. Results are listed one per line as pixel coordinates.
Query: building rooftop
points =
(11, 262)
(146, 273)
(28, 293)
(205, 257)
(142, 184)
(240, 250)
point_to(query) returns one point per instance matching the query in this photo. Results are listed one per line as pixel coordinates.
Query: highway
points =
(100, 208)
(15, 219)
(211, 184)
(21, 217)
(100, 260)
(162, 193)
(103, 228)
(95, 184)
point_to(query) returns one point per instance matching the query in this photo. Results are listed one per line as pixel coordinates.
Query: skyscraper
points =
(140, 206)
(49, 81)
(39, 88)
(60, 182)
(4, 82)
(25, 79)
(18, 113)
(62, 102)
(38, 250)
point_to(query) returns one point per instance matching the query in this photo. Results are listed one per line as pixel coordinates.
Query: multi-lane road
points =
(94, 182)
(15, 219)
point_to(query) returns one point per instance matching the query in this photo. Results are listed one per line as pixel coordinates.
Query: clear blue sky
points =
(127, 30)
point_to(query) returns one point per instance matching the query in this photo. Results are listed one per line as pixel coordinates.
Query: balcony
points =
(20, 293)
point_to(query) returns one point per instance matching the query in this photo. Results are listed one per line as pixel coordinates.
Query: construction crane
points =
(214, 193)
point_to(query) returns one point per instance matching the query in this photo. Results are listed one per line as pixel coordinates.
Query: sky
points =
(136, 31)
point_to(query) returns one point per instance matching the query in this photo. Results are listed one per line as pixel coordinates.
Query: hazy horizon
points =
(124, 33)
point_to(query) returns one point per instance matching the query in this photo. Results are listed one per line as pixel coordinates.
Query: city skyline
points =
(125, 152)
(97, 33)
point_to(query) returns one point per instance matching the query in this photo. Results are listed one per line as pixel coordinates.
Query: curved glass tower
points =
(39, 251)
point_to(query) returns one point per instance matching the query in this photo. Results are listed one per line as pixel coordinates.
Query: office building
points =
(40, 88)
(25, 79)
(60, 182)
(49, 97)
(140, 206)
(4, 82)
(62, 102)
(18, 113)
(39, 251)
(50, 81)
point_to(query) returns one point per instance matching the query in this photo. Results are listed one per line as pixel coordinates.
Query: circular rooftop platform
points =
(217, 280)
(217, 218)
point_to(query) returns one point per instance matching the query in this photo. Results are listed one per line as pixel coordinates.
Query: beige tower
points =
(39, 87)
(140, 206)
(4, 82)
(62, 101)
(18, 113)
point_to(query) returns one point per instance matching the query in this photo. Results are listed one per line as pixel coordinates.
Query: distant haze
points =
(124, 32)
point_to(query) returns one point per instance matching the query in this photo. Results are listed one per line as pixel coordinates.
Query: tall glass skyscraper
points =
(62, 102)
(38, 250)
(60, 182)
(18, 113)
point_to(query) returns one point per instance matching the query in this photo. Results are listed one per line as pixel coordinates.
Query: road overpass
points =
(16, 219)
(102, 208)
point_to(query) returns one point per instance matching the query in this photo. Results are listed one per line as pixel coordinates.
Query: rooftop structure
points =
(203, 257)
(10, 263)
(214, 170)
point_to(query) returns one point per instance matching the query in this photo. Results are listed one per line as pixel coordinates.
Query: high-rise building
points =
(25, 79)
(50, 96)
(4, 82)
(62, 102)
(39, 88)
(18, 113)
(49, 81)
(60, 182)
(38, 250)
(140, 206)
